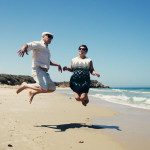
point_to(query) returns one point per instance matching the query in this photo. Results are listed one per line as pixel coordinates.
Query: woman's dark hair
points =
(85, 47)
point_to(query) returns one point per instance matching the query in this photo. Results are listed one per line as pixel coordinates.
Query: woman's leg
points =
(84, 98)
(77, 96)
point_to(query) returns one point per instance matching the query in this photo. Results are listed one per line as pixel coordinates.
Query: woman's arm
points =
(67, 69)
(92, 70)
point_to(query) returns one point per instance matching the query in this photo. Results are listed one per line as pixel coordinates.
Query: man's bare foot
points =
(31, 95)
(21, 87)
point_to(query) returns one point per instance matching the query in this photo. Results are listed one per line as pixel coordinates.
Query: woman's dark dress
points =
(80, 80)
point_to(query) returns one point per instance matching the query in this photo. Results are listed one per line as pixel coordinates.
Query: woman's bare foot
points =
(21, 87)
(85, 102)
(31, 95)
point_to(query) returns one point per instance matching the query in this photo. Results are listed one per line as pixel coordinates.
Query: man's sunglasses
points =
(49, 36)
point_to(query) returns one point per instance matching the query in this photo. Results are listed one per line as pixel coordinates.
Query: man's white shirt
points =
(40, 54)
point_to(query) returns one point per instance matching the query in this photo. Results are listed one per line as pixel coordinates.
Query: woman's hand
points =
(65, 68)
(95, 74)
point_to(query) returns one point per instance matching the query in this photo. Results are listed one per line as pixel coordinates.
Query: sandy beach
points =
(56, 121)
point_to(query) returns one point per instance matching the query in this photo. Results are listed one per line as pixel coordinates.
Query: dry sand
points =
(58, 122)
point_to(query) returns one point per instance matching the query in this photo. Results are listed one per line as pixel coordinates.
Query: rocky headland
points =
(13, 80)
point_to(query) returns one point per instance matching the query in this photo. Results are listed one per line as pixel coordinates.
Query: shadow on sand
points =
(64, 127)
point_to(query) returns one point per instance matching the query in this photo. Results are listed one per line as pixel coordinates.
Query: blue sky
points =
(117, 33)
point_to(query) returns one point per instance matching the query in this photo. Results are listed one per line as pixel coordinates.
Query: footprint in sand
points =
(81, 141)
(9, 145)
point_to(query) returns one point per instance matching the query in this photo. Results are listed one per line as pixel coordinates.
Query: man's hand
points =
(24, 49)
(60, 68)
(21, 52)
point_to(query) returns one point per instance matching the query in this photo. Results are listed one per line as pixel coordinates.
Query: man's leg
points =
(43, 84)
(47, 84)
(24, 86)
(40, 77)
(32, 93)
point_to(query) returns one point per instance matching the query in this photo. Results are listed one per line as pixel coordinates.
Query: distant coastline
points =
(13, 80)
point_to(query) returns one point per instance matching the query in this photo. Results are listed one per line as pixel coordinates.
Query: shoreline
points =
(109, 101)
(133, 124)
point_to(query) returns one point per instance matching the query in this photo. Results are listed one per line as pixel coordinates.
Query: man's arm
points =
(55, 64)
(24, 49)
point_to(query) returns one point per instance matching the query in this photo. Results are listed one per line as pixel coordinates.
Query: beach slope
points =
(53, 121)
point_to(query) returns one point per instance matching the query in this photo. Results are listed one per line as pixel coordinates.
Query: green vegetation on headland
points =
(18, 79)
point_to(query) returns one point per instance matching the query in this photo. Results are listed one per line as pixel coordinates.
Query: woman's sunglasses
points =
(84, 49)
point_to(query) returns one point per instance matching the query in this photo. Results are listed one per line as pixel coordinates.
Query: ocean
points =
(138, 97)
